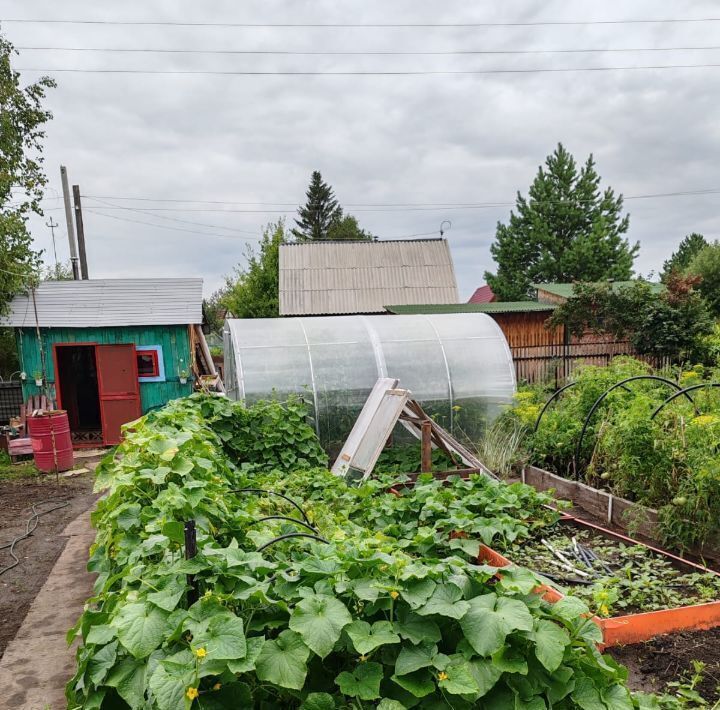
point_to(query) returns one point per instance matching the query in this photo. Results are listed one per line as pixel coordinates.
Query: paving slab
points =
(38, 663)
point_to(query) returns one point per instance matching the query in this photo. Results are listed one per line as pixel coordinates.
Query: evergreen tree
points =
(347, 228)
(320, 211)
(567, 229)
(687, 250)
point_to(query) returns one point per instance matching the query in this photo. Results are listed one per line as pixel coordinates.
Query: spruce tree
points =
(565, 230)
(687, 250)
(321, 210)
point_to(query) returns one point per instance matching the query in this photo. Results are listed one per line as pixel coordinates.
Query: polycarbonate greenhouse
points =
(458, 366)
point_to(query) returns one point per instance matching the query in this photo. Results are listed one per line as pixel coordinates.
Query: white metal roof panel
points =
(321, 278)
(109, 302)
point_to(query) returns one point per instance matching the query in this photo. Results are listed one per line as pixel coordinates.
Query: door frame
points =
(58, 388)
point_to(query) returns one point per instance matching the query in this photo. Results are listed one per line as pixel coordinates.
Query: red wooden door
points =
(119, 389)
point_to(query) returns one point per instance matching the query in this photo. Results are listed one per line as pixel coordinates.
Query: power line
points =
(207, 234)
(365, 206)
(109, 205)
(472, 72)
(368, 25)
(162, 226)
(353, 53)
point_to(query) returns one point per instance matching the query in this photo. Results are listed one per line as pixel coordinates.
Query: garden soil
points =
(665, 659)
(39, 552)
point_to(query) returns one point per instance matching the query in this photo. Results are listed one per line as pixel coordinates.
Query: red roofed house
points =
(484, 294)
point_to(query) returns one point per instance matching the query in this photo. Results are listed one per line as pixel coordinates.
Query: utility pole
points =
(69, 221)
(52, 226)
(80, 232)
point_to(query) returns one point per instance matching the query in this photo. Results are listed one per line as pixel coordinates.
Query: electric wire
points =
(439, 72)
(368, 25)
(370, 53)
(30, 527)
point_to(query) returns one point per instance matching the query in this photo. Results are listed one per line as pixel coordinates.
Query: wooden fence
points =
(554, 362)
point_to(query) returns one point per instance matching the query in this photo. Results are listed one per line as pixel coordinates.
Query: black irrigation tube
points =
(284, 517)
(554, 396)
(30, 526)
(262, 491)
(685, 391)
(601, 398)
(291, 535)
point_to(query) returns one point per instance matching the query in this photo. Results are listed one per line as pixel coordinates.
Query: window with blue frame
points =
(150, 364)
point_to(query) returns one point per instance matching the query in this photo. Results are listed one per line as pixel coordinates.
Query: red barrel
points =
(51, 441)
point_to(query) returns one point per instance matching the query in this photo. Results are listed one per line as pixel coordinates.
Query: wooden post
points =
(69, 222)
(426, 446)
(80, 232)
(190, 552)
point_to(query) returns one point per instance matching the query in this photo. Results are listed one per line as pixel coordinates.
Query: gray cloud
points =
(432, 139)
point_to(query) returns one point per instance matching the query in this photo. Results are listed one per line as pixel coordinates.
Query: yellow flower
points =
(363, 658)
(442, 675)
(200, 652)
(217, 686)
(704, 420)
(394, 594)
(192, 693)
(604, 610)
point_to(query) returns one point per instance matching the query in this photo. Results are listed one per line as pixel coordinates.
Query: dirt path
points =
(38, 553)
(38, 663)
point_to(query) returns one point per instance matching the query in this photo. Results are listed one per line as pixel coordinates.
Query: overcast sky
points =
(430, 140)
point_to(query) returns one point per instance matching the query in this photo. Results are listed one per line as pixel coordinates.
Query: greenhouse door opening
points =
(78, 392)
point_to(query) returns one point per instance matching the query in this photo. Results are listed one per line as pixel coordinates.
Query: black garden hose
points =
(30, 526)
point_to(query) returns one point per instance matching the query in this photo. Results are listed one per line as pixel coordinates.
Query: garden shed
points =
(109, 350)
(458, 366)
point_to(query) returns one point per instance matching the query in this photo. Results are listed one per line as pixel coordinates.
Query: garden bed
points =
(654, 592)
(636, 519)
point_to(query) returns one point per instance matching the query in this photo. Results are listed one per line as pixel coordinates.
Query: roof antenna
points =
(442, 224)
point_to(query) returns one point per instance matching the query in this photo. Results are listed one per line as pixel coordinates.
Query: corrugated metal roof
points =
(566, 290)
(109, 302)
(322, 278)
(498, 307)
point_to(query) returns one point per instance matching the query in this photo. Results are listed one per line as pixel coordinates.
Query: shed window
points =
(147, 361)
(150, 365)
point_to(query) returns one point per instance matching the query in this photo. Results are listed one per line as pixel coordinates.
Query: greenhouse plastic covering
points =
(458, 366)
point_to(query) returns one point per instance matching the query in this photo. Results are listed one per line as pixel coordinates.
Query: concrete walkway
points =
(38, 663)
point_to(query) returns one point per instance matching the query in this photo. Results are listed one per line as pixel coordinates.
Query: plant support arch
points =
(685, 391)
(602, 397)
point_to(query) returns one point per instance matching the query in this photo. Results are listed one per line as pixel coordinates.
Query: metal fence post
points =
(190, 552)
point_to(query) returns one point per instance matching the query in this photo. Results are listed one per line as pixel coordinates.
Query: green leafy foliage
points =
(669, 463)
(253, 291)
(387, 614)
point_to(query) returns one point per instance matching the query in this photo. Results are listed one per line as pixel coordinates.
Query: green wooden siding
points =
(173, 339)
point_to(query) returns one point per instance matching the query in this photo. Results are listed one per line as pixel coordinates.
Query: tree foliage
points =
(706, 265)
(22, 129)
(322, 218)
(671, 323)
(567, 229)
(687, 250)
(253, 291)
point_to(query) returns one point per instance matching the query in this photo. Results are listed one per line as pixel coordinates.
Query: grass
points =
(15, 471)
